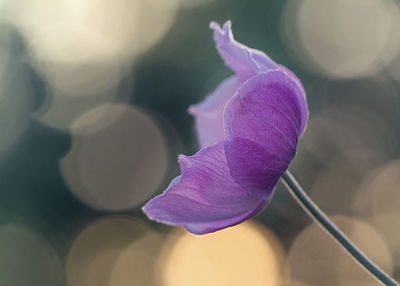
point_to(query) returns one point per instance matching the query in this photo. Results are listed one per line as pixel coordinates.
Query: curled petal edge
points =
(204, 198)
(244, 61)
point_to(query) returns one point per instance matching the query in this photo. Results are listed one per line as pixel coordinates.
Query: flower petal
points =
(205, 198)
(209, 113)
(263, 122)
(301, 96)
(245, 62)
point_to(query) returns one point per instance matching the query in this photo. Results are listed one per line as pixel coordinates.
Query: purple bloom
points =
(248, 131)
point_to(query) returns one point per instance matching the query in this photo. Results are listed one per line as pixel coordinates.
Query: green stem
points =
(313, 210)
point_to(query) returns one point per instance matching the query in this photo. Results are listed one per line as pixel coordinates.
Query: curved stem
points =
(312, 209)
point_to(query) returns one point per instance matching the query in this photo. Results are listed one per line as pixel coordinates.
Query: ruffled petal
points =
(205, 198)
(209, 113)
(263, 122)
(245, 62)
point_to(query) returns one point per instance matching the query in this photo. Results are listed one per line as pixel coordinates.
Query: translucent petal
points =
(208, 114)
(204, 198)
(263, 122)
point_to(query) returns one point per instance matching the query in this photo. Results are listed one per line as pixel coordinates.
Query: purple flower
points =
(248, 131)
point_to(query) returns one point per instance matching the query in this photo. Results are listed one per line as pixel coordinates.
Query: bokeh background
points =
(93, 112)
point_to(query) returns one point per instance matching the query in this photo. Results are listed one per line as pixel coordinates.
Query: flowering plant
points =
(248, 130)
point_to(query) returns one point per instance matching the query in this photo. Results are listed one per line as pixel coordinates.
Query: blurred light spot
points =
(98, 118)
(355, 134)
(61, 110)
(74, 31)
(343, 38)
(335, 189)
(242, 255)
(290, 35)
(81, 80)
(120, 166)
(381, 190)
(16, 105)
(388, 225)
(73, 90)
(136, 265)
(316, 259)
(96, 250)
(27, 258)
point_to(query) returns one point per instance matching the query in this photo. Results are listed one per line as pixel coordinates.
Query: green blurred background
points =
(93, 112)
